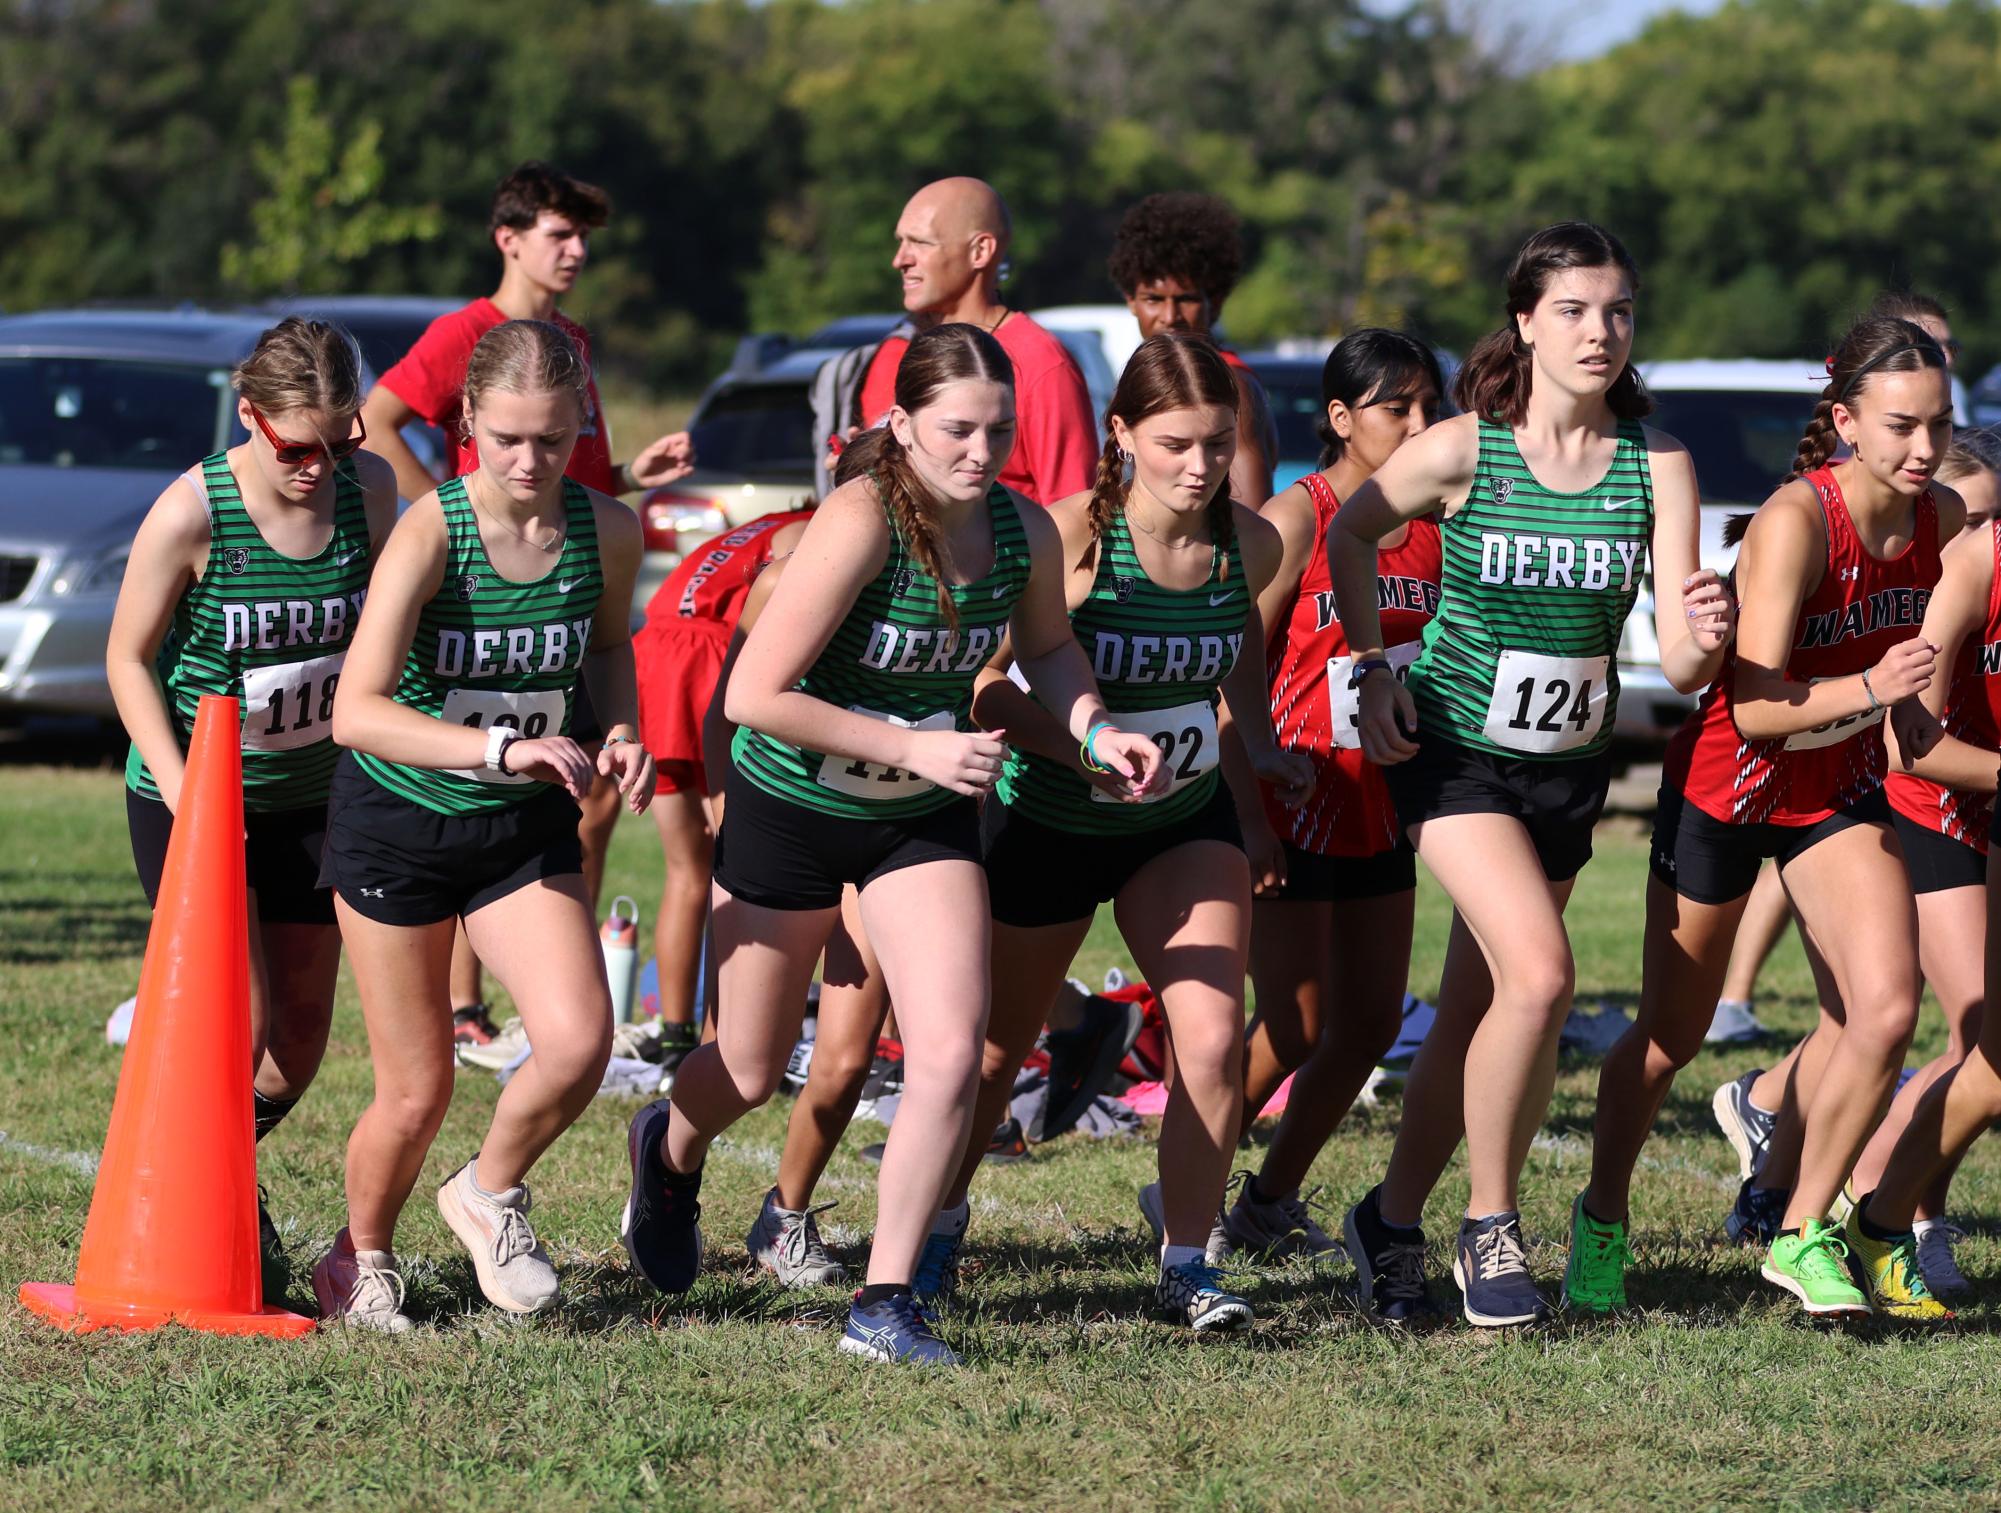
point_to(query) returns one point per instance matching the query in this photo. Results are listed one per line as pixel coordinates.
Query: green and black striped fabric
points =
(1530, 570)
(268, 630)
(1155, 652)
(489, 651)
(895, 657)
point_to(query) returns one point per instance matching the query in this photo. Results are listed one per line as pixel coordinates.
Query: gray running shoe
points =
(513, 1268)
(1276, 1227)
(1192, 1294)
(360, 1288)
(1935, 1261)
(1747, 1127)
(787, 1241)
(1219, 1246)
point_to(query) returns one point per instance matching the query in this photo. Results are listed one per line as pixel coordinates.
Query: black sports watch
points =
(1366, 666)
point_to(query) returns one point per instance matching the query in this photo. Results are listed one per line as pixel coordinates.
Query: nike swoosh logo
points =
(564, 585)
(1620, 504)
(1223, 598)
(346, 557)
(1000, 591)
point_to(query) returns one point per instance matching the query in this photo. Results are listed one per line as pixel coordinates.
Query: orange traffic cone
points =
(172, 1233)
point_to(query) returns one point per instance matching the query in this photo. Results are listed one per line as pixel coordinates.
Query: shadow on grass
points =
(70, 916)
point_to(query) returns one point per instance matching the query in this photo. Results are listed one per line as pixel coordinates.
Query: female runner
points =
(852, 767)
(1162, 581)
(458, 800)
(245, 579)
(1335, 880)
(1784, 758)
(1552, 493)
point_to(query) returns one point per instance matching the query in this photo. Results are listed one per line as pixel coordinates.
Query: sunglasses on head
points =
(294, 454)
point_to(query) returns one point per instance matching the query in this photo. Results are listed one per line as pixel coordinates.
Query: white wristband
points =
(498, 739)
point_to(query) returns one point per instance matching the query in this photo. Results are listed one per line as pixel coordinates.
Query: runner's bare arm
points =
(168, 554)
(385, 413)
(1694, 615)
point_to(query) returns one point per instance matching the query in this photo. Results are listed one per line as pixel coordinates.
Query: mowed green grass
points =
(1715, 1393)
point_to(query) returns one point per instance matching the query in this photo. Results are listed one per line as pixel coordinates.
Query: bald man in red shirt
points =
(950, 242)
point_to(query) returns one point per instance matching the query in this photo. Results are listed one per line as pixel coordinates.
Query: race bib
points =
(290, 705)
(1346, 701)
(1186, 736)
(533, 714)
(872, 781)
(1834, 732)
(1543, 705)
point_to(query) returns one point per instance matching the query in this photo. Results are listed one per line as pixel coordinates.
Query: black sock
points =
(269, 1113)
(678, 1181)
(1252, 1192)
(1870, 1227)
(880, 1292)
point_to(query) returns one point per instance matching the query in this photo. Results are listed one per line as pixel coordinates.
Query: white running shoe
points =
(1935, 1259)
(787, 1243)
(360, 1288)
(1734, 1024)
(118, 1028)
(494, 1054)
(1215, 1252)
(513, 1268)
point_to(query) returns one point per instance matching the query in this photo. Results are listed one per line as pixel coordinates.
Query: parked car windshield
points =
(758, 429)
(1742, 441)
(108, 413)
(1293, 392)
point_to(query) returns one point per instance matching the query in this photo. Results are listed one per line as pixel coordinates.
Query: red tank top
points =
(714, 579)
(1860, 609)
(1307, 666)
(1972, 713)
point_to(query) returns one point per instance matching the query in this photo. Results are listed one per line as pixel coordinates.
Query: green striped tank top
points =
(1521, 659)
(1160, 656)
(895, 657)
(270, 631)
(490, 651)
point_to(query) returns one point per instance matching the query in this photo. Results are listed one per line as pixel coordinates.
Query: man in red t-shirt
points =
(950, 242)
(1175, 259)
(541, 222)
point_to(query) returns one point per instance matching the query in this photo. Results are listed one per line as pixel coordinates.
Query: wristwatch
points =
(1366, 666)
(498, 739)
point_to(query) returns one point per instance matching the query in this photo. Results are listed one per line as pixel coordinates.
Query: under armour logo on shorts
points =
(370, 892)
(238, 559)
(1122, 589)
(468, 585)
(1502, 488)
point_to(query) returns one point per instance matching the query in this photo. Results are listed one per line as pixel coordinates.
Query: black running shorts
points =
(1703, 859)
(1557, 802)
(1937, 861)
(398, 863)
(281, 858)
(1039, 875)
(1313, 878)
(780, 855)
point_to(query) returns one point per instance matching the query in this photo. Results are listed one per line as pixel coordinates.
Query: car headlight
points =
(668, 520)
(97, 576)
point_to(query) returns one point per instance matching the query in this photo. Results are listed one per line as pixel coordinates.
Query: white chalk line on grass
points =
(77, 1161)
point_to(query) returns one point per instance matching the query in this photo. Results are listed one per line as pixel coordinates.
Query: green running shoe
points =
(1595, 1279)
(1890, 1266)
(1812, 1266)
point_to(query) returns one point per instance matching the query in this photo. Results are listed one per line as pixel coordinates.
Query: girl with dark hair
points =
(1784, 758)
(457, 801)
(1335, 881)
(1162, 575)
(853, 764)
(1552, 495)
(284, 524)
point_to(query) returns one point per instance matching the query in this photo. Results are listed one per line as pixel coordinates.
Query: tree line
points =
(1771, 164)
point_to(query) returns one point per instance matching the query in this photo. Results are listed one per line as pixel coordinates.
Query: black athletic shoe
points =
(662, 1222)
(1492, 1269)
(1007, 1145)
(1758, 1214)
(1081, 1062)
(1389, 1264)
(273, 1264)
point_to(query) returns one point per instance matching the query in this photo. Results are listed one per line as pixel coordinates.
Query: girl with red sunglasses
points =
(246, 579)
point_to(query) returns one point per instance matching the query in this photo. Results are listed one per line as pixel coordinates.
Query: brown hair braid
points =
(1175, 370)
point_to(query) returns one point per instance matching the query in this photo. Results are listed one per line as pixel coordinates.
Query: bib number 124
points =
(1544, 704)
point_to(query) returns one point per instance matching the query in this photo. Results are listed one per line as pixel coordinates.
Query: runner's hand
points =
(965, 761)
(1266, 854)
(1135, 758)
(1711, 610)
(1289, 773)
(1903, 670)
(552, 759)
(632, 764)
(1386, 711)
(668, 460)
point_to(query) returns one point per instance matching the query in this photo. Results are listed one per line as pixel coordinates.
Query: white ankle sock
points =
(951, 1222)
(1180, 1255)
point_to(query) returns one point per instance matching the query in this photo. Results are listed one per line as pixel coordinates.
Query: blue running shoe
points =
(937, 1280)
(1758, 1214)
(1192, 1294)
(661, 1226)
(1492, 1269)
(1389, 1265)
(896, 1331)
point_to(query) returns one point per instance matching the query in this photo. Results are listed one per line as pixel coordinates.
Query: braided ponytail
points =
(1818, 442)
(1108, 493)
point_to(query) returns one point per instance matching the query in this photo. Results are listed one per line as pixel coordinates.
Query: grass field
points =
(1716, 1393)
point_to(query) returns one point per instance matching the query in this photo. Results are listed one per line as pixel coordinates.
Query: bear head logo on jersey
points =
(1122, 589)
(900, 584)
(468, 586)
(1502, 488)
(238, 559)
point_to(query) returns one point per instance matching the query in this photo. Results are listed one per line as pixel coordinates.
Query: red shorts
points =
(677, 666)
(679, 777)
